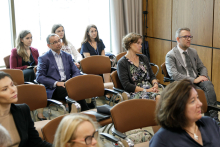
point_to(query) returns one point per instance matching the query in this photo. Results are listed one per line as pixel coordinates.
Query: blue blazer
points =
(48, 73)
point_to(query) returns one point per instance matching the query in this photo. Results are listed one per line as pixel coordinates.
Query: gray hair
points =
(5, 138)
(179, 31)
(50, 35)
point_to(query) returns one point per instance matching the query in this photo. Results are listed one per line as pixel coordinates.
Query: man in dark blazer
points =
(54, 68)
(183, 62)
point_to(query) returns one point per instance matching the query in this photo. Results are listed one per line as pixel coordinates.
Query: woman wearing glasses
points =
(66, 45)
(16, 118)
(24, 56)
(76, 130)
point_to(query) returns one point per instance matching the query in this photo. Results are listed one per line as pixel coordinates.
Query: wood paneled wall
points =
(201, 16)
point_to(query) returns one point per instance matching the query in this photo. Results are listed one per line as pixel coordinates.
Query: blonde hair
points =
(20, 45)
(67, 128)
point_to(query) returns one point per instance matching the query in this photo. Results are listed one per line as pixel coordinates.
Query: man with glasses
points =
(183, 62)
(54, 68)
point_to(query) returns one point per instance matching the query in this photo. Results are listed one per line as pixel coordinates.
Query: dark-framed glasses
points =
(55, 42)
(186, 37)
(88, 139)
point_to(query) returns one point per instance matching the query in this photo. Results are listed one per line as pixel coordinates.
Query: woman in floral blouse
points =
(134, 70)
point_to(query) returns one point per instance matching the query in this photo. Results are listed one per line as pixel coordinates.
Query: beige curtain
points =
(126, 17)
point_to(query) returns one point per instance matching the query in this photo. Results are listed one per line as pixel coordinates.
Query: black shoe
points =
(41, 119)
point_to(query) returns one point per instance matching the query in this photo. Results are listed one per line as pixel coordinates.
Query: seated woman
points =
(179, 114)
(66, 45)
(24, 56)
(76, 130)
(134, 70)
(16, 118)
(92, 45)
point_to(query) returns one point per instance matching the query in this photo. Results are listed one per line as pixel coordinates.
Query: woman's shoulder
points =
(14, 50)
(34, 49)
(206, 120)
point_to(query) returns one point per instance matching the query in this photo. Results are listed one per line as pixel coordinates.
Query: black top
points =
(124, 74)
(31, 63)
(87, 48)
(25, 126)
(180, 138)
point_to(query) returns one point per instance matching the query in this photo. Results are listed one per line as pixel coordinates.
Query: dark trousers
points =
(29, 75)
(60, 93)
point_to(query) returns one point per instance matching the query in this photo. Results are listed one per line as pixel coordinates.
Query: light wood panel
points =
(216, 72)
(159, 18)
(216, 35)
(196, 15)
(205, 54)
(158, 50)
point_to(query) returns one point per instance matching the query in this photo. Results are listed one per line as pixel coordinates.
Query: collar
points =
(55, 54)
(181, 50)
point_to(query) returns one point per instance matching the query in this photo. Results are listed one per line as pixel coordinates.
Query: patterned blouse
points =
(141, 78)
(72, 51)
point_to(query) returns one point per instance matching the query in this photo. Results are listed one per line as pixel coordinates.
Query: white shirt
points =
(184, 60)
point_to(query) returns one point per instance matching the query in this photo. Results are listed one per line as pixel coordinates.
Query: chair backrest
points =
(16, 74)
(49, 130)
(120, 55)
(7, 61)
(96, 65)
(79, 49)
(34, 96)
(202, 98)
(116, 80)
(164, 70)
(135, 113)
(85, 86)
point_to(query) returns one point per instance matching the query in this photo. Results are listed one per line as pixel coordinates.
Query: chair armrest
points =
(28, 83)
(82, 73)
(113, 69)
(119, 134)
(52, 101)
(69, 100)
(165, 79)
(213, 108)
(110, 137)
(160, 86)
(36, 82)
(110, 91)
(152, 64)
(118, 90)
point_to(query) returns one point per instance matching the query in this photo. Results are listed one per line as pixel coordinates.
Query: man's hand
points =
(61, 84)
(77, 65)
(200, 79)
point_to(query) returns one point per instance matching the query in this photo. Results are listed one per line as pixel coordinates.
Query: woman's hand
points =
(152, 90)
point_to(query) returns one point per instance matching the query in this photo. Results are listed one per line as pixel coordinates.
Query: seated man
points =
(54, 68)
(183, 62)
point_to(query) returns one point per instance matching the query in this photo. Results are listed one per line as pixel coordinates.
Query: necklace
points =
(196, 137)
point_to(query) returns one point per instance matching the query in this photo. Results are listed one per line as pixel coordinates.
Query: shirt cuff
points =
(55, 84)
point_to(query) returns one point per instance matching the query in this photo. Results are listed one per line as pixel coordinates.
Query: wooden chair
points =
(7, 62)
(166, 78)
(17, 76)
(131, 113)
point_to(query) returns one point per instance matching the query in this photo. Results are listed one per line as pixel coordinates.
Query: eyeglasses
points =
(88, 139)
(55, 42)
(186, 37)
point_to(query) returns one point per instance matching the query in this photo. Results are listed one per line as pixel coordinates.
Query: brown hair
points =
(87, 37)
(129, 39)
(170, 111)
(55, 27)
(20, 45)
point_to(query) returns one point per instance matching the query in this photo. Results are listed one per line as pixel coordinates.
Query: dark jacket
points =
(16, 60)
(25, 126)
(124, 73)
(209, 129)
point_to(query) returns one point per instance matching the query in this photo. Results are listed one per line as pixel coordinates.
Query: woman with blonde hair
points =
(24, 57)
(76, 130)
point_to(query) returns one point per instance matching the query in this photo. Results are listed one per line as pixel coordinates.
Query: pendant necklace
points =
(196, 137)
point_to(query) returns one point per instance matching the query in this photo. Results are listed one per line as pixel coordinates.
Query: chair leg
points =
(105, 128)
(49, 113)
(109, 128)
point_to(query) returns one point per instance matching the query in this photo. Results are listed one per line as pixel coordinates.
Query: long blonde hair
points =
(67, 128)
(20, 45)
